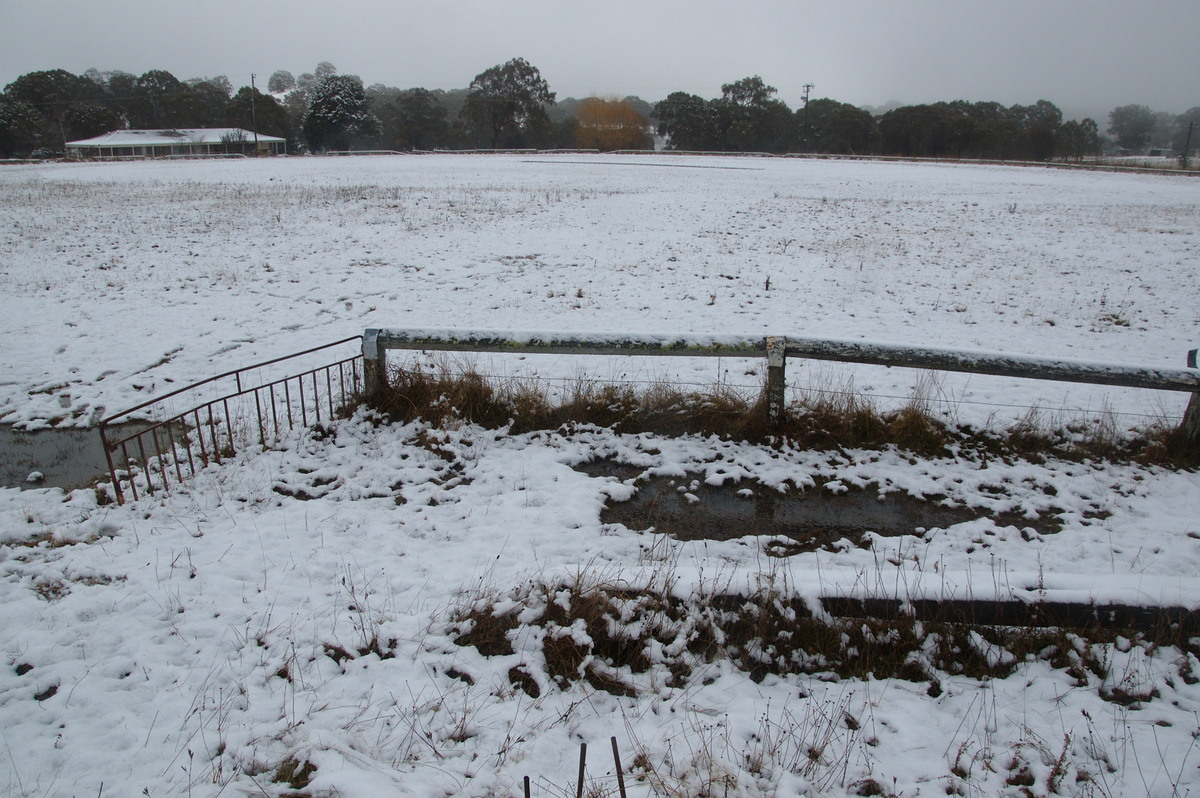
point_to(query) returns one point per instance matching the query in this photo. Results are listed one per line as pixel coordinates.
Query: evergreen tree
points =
(687, 121)
(1182, 124)
(339, 115)
(505, 104)
(281, 82)
(20, 127)
(158, 101)
(1040, 125)
(424, 118)
(206, 103)
(1077, 140)
(50, 94)
(1132, 125)
(250, 107)
(840, 128)
(752, 120)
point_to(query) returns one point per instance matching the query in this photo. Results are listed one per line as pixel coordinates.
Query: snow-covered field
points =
(185, 645)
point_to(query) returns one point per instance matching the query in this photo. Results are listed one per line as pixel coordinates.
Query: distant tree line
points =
(511, 105)
(41, 111)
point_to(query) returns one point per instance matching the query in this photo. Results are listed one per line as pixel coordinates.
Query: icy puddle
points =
(65, 458)
(689, 509)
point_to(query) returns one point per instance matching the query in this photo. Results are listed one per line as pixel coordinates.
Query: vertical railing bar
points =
(200, 435)
(129, 468)
(274, 414)
(229, 426)
(174, 457)
(187, 446)
(162, 466)
(262, 433)
(212, 434)
(329, 390)
(342, 382)
(112, 472)
(145, 465)
(287, 398)
(303, 407)
(316, 397)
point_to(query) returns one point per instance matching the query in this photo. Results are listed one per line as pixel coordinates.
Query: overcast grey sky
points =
(1087, 56)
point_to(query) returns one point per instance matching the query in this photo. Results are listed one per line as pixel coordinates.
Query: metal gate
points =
(245, 408)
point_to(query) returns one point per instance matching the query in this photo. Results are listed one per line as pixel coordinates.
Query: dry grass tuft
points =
(486, 629)
(605, 634)
(446, 398)
(294, 773)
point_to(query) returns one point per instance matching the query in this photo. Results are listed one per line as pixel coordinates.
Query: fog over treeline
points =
(511, 105)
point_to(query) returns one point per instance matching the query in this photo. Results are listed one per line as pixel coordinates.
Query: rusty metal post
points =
(129, 468)
(374, 363)
(582, 768)
(200, 436)
(111, 470)
(620, 775)
(776, 381)
(146, 470)
(262, 432)
(329, 390)
(303, 407)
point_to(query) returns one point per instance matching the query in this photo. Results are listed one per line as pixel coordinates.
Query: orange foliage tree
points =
(610, 124)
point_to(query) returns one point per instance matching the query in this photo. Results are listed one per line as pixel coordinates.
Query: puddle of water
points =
(68, 458)
(807, 521)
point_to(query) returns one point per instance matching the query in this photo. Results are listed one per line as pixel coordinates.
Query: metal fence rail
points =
(776, 350)
(183, 441)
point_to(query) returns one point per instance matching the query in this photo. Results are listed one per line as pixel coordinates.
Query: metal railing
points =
(776, 350)
(181, 442)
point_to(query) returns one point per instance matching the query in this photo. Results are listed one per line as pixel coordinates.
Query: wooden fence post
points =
(776, 382)
(1191, 416)
(374, 363)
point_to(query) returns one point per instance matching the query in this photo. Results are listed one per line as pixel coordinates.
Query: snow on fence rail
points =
(776, 350)
(245, 407)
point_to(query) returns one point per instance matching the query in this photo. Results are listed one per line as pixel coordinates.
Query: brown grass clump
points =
(442, 398)
(846, 420)
(294, 773)
(818, 420)
(607, 635)
(485, 629)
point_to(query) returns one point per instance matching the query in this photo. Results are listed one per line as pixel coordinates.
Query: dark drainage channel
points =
(66, 458)
(1156, 621)
(688, 509)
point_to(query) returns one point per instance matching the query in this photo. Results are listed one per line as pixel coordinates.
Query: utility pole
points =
(253, 118)
(807, 88)
(1187, 145)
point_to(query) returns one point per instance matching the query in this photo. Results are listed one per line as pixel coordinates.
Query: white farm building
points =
(180, 142)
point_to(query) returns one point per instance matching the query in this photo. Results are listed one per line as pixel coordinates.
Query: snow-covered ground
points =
(168, 271)
(185, 645)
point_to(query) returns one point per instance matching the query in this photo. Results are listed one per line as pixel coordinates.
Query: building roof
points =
(159, 138)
